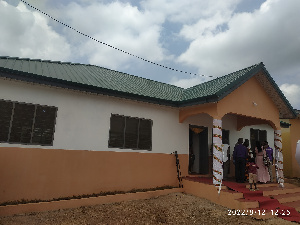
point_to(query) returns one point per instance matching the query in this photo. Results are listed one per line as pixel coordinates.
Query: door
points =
(199, 148)
(257, 135)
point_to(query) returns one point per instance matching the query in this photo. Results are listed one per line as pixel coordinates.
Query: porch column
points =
(217, 152)
(278, 157)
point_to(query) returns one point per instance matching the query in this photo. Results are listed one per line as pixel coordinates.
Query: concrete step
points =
(286, 185)
(289, 185)
(264, 185)
(248, 204)
(234, 194)
(223, 187)
(272, 191)
(228, 198)
(289, 197)
(294, 204)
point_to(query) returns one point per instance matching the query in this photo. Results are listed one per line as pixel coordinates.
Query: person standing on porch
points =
(226, 157)
(246, 144)
(269, 153)
(262, 173)
(239, 159)
(252, 169)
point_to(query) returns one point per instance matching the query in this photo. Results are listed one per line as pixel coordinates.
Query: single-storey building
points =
(291, 142)
(71, 129)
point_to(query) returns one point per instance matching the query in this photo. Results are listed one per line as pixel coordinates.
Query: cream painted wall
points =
(83, 119)
(295, 151)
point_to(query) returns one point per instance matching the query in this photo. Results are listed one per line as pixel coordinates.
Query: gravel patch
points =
(175, 208)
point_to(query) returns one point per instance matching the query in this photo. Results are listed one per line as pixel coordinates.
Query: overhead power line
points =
(101, 42)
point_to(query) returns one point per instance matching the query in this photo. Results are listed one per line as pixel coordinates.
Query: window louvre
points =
(5, 119)
(26, 123)
(22, 123)
(44, 125)
(145, 134)
(130, 133)
(116, 133)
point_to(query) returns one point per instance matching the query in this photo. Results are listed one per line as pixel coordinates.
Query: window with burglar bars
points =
(26, 123)
(130, 133)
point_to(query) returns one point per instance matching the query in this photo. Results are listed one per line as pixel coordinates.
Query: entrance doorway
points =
(257, 135)
(198, 146)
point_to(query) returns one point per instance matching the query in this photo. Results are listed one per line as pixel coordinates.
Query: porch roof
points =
(100, 80)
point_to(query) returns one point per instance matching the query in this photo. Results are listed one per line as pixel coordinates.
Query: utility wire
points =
(148, 61)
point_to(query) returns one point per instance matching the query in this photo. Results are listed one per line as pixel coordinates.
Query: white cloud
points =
(186, 12)
(206, 26)
(189, 82)
(120, 25)
(268, 34)
(27, 34)
(132, 29)
(292, 93)
(220, 40)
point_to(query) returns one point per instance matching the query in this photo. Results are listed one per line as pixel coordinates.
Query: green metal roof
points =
(105, 81)
(221, 85)
(90, 76)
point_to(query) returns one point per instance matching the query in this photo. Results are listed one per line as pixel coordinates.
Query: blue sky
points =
(203, 37)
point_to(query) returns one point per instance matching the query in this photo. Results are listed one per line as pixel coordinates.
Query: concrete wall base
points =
(74, 203)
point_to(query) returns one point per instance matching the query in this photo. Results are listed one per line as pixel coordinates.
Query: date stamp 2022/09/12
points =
(260, 212)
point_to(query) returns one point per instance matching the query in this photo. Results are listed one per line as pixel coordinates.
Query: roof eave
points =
(31, 78)
(293, 113)
(260, 67)
(199, 101)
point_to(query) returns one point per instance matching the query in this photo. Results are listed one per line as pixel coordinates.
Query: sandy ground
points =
(176, 208)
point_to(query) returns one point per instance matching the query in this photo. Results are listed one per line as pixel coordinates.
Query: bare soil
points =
(176, 208)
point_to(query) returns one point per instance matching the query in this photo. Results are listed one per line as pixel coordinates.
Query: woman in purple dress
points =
(262, 173)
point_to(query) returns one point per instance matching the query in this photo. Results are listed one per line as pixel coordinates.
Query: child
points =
(252, 170)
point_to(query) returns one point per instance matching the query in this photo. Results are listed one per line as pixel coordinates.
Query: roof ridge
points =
(40, 60)
(224, 76)
(209, 87)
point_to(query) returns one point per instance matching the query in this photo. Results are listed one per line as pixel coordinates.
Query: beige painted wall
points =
(32, 173)
(295, 136)
(290, 137)
(240, 102)
(287, 151)
(251, 100)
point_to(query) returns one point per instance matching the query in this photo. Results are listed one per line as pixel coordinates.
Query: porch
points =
(269, 201)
